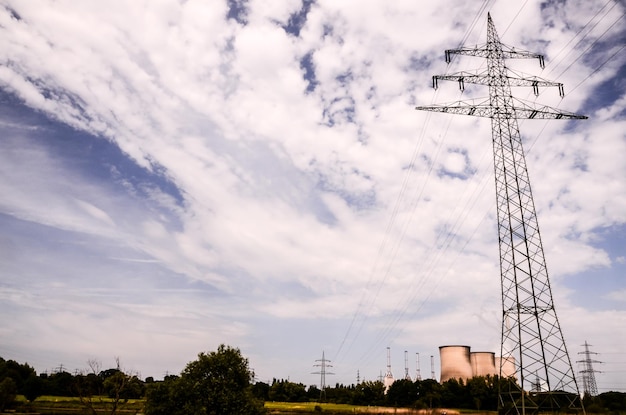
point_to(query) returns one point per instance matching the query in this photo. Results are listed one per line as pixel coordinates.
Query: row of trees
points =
(90, 386)
(476, 393)
(221, 382)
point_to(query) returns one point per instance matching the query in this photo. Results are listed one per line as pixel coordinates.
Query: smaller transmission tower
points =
(588, 373)
(418, 375)
(406, 366)
(323, 365)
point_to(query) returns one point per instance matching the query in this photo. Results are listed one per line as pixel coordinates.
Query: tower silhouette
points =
(589, 378)
(323, 365)
(531, 333)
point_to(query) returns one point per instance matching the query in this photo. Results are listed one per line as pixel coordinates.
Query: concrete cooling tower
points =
(483, 363)
(455, 362)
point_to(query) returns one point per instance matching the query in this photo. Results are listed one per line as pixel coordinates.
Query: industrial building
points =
(459, 362)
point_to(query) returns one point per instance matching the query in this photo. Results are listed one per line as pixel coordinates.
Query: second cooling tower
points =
(455, 362)
(483, 363)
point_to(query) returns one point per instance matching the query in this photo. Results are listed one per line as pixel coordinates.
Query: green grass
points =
(73, 405)
(308, 407)
(329, 408)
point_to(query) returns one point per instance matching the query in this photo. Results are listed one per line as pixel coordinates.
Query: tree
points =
(429, 393)
(612, 401)
(214, 384)
(313, 393)
(114, 383)
(286, 391)
(484, 392)
(8, 392)
(18, 372)
(402, 393)
(33, 387)
(369, 393)
(454, 394)
(60, 384)
(167, 397)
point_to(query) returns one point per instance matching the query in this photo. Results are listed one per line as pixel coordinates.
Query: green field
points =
(62, 405)
(331, 408)
(58, 405)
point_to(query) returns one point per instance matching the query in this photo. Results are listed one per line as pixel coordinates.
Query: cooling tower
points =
(455, 362)
(508, 366)
(483, 363)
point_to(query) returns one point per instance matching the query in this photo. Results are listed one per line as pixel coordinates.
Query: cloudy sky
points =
(180, 174)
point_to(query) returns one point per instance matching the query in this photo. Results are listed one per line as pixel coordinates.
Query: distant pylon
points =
(418, 376)
(323, 372)
(589, 377)
(406, 366)
(531, 333)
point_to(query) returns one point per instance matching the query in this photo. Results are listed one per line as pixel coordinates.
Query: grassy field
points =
(62, 405)
(59, 405)
(331, 408)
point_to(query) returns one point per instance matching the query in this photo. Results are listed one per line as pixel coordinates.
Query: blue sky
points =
(177, 175)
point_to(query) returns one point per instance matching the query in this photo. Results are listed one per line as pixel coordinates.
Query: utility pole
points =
(589, 377)
(322, 372)
(532, 334)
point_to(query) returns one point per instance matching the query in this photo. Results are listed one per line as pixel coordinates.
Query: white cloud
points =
(617, 296)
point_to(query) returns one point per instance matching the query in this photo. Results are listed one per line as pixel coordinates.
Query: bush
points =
(8, 392)
(215, 383)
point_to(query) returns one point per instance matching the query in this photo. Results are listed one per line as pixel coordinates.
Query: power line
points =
(590, 46)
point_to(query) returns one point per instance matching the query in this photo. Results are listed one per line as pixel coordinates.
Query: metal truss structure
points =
(588, 373)
(323, 365)
(531, 333)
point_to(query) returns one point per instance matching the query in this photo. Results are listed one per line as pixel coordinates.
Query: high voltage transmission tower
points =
(588, 373)
(323, 365)
(531, 333)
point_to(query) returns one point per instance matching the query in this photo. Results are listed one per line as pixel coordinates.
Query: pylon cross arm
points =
(488, 51)
(485, 109)
(484, 78)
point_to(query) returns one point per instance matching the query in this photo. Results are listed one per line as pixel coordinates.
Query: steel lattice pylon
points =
(531, 335)
(589, 378)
